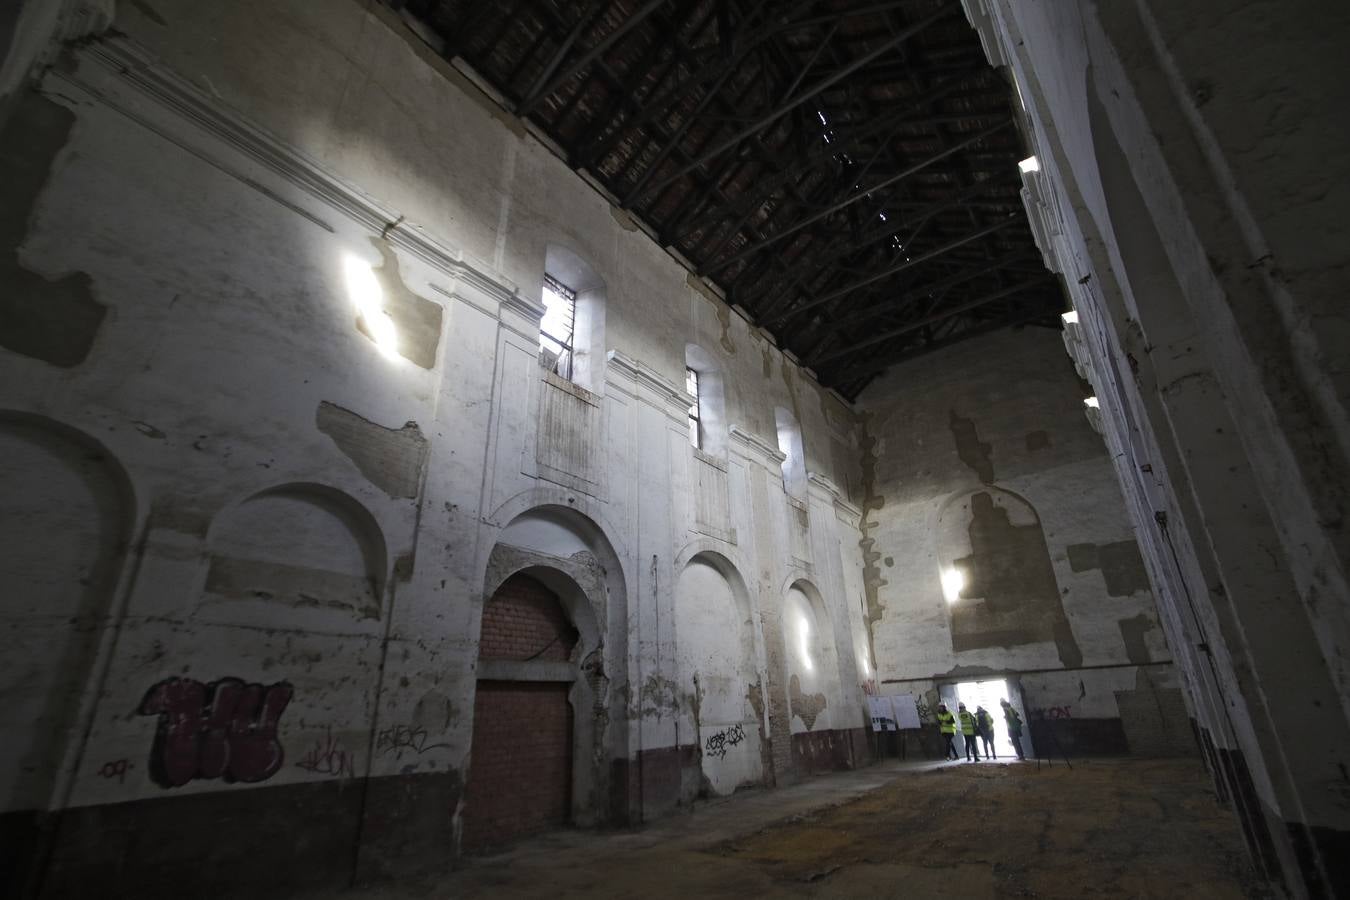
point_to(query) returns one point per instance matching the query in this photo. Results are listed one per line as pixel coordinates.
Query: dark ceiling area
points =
(844, 170)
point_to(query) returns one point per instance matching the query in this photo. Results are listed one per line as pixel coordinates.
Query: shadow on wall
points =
(64, 533)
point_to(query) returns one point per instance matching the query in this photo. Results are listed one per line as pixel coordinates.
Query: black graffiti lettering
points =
(719, 743)
(403, 737)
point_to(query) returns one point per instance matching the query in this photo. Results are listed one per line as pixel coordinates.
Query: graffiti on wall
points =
(398, 738)
(327, 756)
(116, 768)
(1052, 712)
(719, 743)
(222, 729)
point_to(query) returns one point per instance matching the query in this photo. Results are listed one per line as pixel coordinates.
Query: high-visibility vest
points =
(946, 722)
(967, 722)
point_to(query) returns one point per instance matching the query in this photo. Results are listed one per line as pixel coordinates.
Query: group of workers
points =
(978, 726)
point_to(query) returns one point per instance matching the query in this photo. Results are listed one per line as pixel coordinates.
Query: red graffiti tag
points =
(225, 729)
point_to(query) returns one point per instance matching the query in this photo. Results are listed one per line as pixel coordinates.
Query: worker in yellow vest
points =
(968, 730)
(947, 725)
(1014, 722)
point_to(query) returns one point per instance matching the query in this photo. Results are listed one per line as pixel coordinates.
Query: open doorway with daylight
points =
(975, 694)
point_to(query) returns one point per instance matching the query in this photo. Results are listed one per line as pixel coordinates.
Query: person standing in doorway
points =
(984, 724)
(1014, 723)
(968, 732)
(947, 725)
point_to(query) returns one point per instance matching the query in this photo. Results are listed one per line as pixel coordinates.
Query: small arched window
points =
(572, 331)
(790, 445)
(707, 415)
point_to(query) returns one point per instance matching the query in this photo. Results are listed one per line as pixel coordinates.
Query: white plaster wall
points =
(265, 147)
(1199, 238)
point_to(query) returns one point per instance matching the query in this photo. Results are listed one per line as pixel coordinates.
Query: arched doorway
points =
(520, 768)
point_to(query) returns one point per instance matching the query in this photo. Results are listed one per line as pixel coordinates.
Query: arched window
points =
(790, 445)
(707, 416)
(572, 331)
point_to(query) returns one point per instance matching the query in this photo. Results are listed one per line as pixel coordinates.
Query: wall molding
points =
(756, 444)
(645, 376)
(119, 62)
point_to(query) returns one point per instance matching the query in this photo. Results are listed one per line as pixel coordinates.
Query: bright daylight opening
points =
(365, 292)
(1092, 402)
(557, 326)
(952, 583)
(804, 635)
(975, 694)
(1070, 317)
(1030, 164)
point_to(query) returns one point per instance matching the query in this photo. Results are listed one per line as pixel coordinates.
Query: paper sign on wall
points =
(883, 717)
(906, 712)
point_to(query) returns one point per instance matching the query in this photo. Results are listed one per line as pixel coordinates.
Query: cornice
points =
(132, 65)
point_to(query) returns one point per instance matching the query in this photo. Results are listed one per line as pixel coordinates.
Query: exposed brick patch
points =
(524, 620)
(520, 771)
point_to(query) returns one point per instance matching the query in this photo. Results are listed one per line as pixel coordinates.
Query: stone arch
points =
(997, 576)
(301, 545)
(718, 671)
(569, 555)
(572, 269)
(811, 657)
(64, 535)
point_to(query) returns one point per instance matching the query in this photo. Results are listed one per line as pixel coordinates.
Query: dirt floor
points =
(1117, 828)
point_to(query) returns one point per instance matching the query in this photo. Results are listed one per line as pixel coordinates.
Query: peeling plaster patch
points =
(435, 712)
(231, 578)
(659, 696)
(972, 451)
(1037, 440)
(148, 430)
(1132, 633)
(805, 706)
(176, 514)
(754, 695)
(1121, 565)
(403, 568)
(1011, 596)
(623, 219)
(54, 320)
(416, 319)
(872, 502)
(391, 458)
(724, 317)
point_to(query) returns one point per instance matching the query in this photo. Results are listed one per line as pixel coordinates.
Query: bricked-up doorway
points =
(520, 768)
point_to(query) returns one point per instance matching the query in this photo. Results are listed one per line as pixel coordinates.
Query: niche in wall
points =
(64, 531)
(298, 545)
(714, 639)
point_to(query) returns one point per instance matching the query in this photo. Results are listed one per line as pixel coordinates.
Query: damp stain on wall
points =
(1010, 596)
(1121, 565)
(970, 449)
(54, 320)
